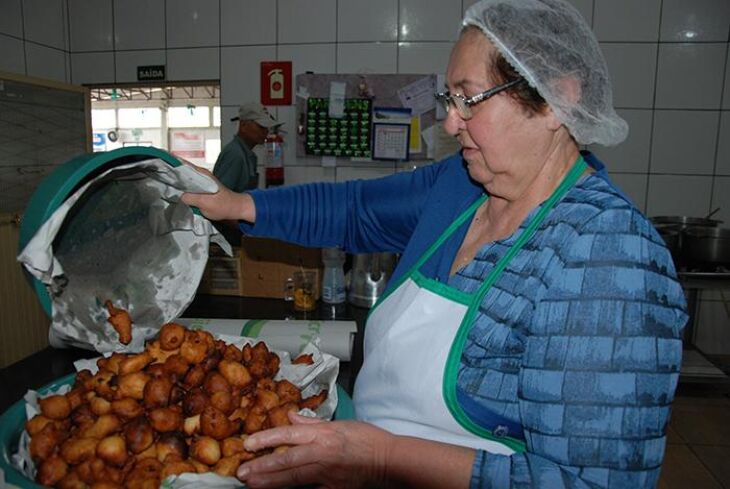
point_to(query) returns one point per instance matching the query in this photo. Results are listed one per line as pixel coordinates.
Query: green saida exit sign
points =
(151, 72)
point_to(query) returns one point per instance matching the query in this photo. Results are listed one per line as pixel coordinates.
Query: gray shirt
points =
(236, 166)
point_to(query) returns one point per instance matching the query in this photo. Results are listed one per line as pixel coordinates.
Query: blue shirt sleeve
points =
(600, 367)
(360, 216)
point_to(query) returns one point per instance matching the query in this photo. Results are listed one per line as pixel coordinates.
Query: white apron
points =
(412, 350)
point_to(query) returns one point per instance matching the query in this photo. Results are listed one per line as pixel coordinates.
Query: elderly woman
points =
(530, 336)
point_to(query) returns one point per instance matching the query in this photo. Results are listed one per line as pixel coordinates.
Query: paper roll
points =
(333, 337)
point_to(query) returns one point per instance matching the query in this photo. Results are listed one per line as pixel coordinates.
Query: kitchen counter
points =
(51, 363)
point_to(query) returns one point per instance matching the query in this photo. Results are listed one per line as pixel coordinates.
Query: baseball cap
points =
(258, 113)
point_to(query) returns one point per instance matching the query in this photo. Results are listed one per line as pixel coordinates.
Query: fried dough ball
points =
(139, 435)
(81, 377)
(194, 377)
(132, 385)
(148, 469)
(235, 373)
(234, 446)
(104, 426)
(288, 392)
(191, 425)
(102, 384)
(227, 466)
(206, 450)
(135, 363)
(176, 366)
(176, 468)
(76, 450)
(172, 336)
(105, 485)
(313, 402)
(143, 484)
(157, 353)
(255, 421)
(195, 401)
(200, 467)
(156, 370)
(222, 401)
(72, 481)
(99, 406)
(215, 382)
(214, 423)
(36, 424)
(177, 394)
(55, 407)
(127, 408)
(157, 392)
(303, 359)
(266, 399)
(44, 443)
(76, 397)
(166, 419)
(211, 361)
(195, 347)
(121, 321)
(112, 450)
(231, 352)
(112, 362)
(82, 417)
(278, 416)
(172, 445)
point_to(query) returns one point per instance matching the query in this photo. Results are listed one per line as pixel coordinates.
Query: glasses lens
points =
(461, 107)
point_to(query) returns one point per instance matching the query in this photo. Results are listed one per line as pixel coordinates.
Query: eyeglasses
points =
(463, 104)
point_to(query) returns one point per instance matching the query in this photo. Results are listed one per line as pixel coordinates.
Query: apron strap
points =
(457, 347)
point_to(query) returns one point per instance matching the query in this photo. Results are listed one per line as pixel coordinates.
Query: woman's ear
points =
(570, 92)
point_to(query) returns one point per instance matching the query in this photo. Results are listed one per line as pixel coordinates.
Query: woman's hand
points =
(332, 454)
(225, 204)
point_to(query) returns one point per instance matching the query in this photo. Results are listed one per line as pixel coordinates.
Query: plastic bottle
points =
(274, 160)
(333, 279)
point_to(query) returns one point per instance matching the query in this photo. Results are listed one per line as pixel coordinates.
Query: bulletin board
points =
(43, 124)
(399, 92)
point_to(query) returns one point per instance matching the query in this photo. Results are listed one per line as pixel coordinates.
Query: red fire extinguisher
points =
(274, 159)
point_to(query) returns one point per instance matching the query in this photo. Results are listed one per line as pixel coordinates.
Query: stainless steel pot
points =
(672, 234)
(369, 276)
(702, 245)
(684, 222)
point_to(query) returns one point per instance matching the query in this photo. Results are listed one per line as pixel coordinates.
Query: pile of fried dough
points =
(185, 404)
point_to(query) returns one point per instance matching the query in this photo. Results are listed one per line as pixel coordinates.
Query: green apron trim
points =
(252, 328)
(457, 347)
(446, 234)
(442, 289)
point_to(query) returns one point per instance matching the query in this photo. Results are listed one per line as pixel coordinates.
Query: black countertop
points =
(51, 363)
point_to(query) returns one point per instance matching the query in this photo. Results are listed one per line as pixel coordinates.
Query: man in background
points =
(236, 164)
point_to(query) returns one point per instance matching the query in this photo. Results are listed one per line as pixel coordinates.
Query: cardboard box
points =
(267, 264)
(259, 268)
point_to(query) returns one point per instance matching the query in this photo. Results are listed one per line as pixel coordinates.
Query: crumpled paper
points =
(124, 236)
(311, 379)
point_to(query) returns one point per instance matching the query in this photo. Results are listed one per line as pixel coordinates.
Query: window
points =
(216, 116)
(189, 116)
(140, 117)
(103, 119)
(212, 150)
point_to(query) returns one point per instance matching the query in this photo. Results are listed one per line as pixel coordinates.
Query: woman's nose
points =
(453, 123)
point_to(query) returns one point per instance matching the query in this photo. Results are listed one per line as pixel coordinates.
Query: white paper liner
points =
(129, 239)
(310, 379)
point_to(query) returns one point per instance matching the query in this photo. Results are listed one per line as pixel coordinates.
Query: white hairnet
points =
(549, 43)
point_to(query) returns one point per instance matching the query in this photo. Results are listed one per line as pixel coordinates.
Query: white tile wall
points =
(89, 68)
(249, 22)
(423, 57)
(586, 8)
(633, 185)
(193, 64)
(318, 58)
(304, 22)
(632, 67)
(631, 156)
(672, 195)
(723, 149)
(44, 22)
(375, 20)
(684, 141)
(11, 21)
(192, 23)
(139, 24)
(91, 25)
(378, 57)
(627, 20)
(240, 72)
(13, 58)
(128, 61)
(690, 76)
(726, 90)
(721, 199)
(696, 20)
(429, 20)
(45, 62)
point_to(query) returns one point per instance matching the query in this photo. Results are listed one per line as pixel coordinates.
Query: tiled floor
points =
(698, 442)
